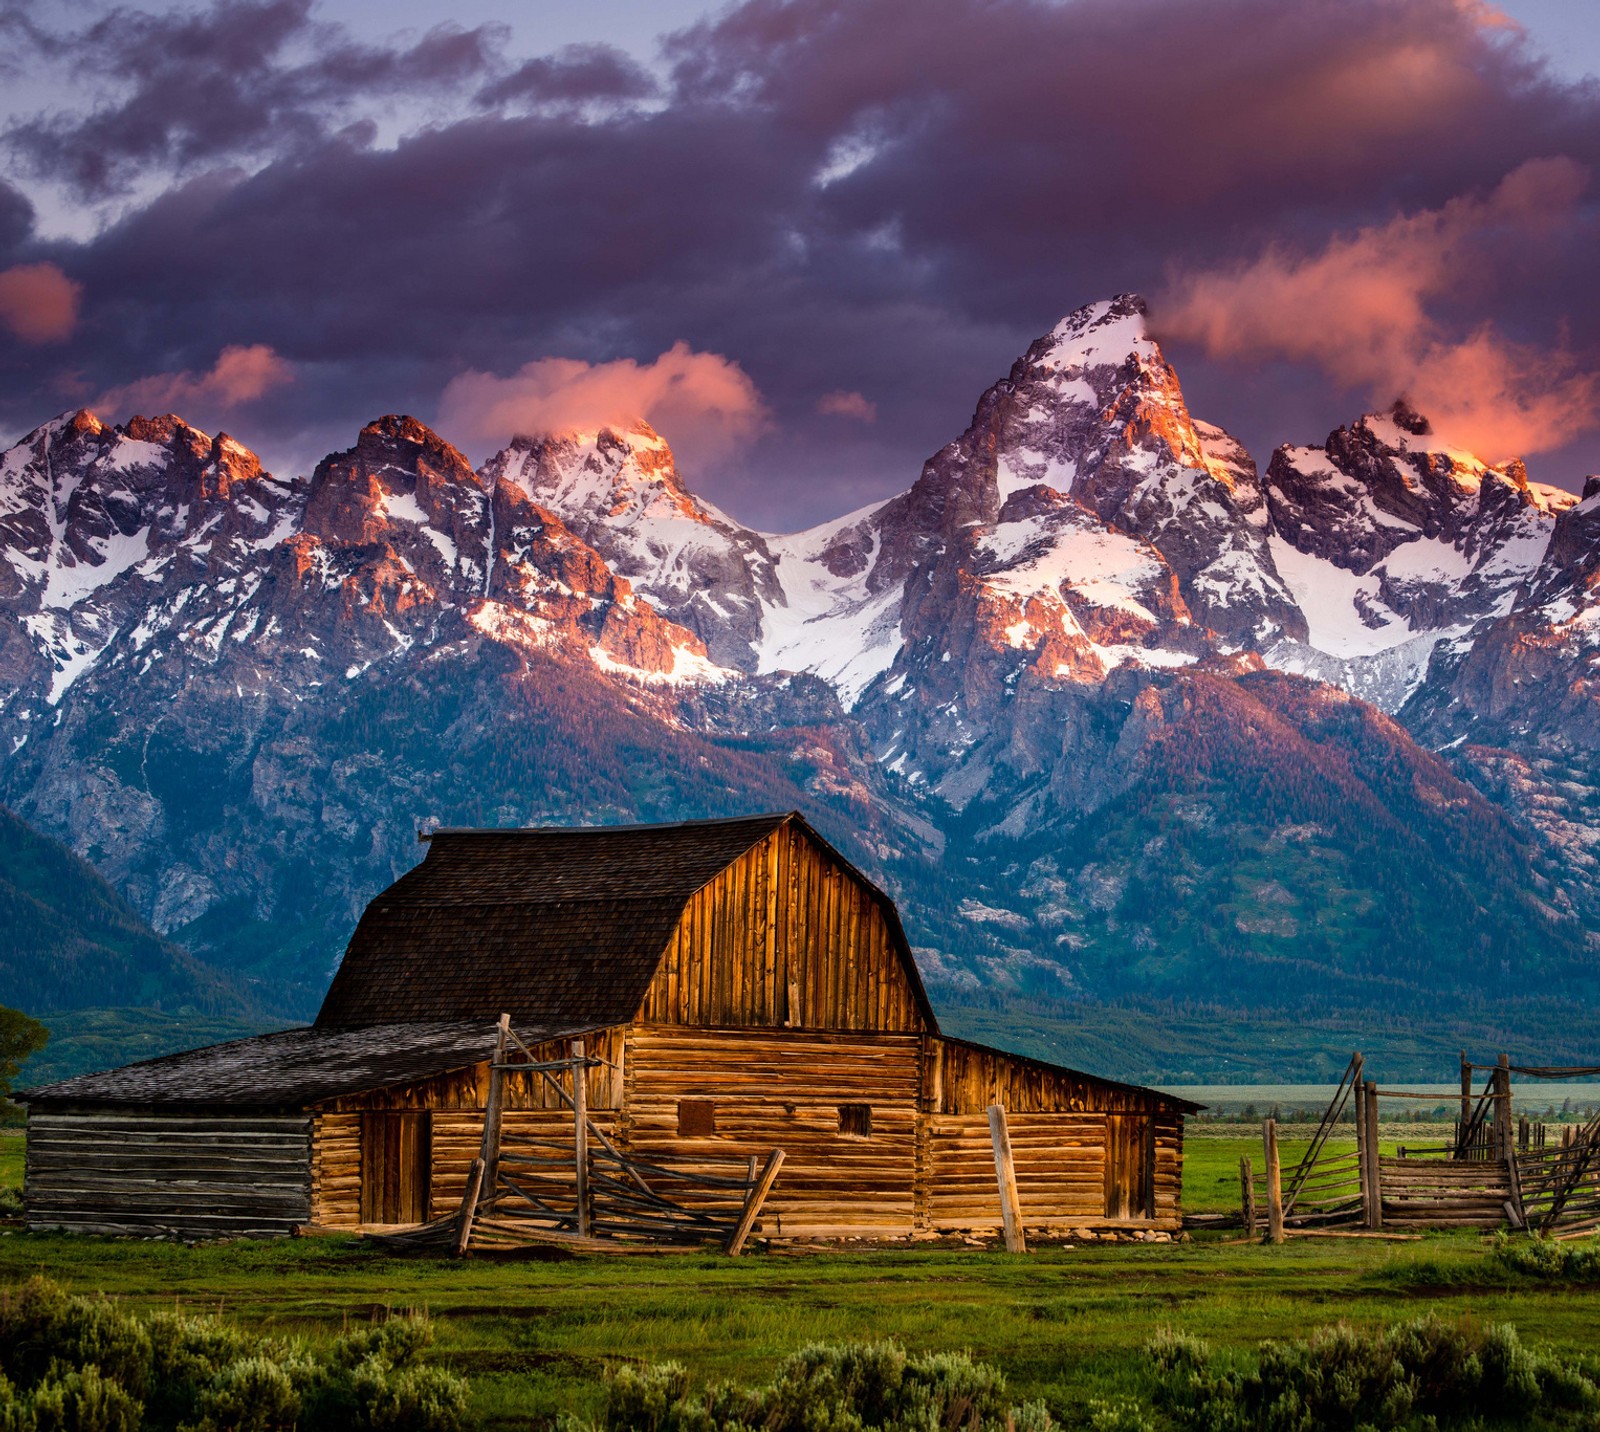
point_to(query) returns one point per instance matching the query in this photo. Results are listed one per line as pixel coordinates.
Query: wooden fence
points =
(580, 1189)
(1494, 1172)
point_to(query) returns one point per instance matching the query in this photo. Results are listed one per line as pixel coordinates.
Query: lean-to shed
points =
(744, 987)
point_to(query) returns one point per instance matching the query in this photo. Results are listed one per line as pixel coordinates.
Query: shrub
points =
(186, 1354)
(43, 1326)
(71, 1364)
(825, 1388)
(1547, 1261)
(81, 1400)
(1427, 1371)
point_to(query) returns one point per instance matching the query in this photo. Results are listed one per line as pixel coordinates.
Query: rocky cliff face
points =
(1084, 694)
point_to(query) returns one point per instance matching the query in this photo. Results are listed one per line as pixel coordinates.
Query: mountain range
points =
(1117, 715)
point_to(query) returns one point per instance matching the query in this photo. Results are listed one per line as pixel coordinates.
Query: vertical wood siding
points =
(786, 936)
(175, 1175)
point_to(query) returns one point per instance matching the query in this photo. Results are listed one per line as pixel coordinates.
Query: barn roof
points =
(553, 925)
(290, 1069)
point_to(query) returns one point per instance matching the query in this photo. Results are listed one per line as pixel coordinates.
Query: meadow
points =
(535, 1335)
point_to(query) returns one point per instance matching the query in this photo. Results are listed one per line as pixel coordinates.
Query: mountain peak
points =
(400, 440)
(1105, 333)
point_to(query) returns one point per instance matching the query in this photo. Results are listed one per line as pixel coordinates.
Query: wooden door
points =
(396, 1167)
(1130, 1166)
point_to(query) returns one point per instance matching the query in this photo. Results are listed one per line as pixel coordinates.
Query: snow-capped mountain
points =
(1049, 692)
(1393, 543)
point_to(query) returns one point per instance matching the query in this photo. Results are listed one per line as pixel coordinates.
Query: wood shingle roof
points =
(291, 1069)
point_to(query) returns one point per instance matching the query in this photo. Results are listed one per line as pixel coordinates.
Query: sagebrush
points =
(82, 1364)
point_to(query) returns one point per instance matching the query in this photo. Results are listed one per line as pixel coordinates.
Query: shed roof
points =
(291, 1069)
(552, 925)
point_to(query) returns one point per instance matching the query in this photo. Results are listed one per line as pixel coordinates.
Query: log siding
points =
(181, 1176)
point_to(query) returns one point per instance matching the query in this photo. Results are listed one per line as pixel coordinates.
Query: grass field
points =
(535, 1336)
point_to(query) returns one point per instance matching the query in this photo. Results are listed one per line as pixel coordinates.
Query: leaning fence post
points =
(1247, 1197)
(490, 1152)
(1269, 1137)
(1006, 1173)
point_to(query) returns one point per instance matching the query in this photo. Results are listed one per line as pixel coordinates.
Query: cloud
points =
(242, 78)
(295, 192)
(847, 405)
(702, 403)
(1361, 308)
(239, 376)
(573, 75)
(39, 303)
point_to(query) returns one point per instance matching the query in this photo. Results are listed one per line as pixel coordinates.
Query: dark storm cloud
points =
(245, 78)
(874, 197)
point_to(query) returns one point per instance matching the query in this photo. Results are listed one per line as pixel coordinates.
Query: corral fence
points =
(1495, 1171)
(577, 1188)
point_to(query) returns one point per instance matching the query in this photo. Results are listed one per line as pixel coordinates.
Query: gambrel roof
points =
(560, 926)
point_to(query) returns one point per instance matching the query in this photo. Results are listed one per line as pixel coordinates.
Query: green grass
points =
(535, 1336)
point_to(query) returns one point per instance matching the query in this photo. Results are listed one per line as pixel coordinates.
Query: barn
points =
(727, 988)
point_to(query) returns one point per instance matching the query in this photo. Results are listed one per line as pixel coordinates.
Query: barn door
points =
(1130, 1166)
(396, 1167)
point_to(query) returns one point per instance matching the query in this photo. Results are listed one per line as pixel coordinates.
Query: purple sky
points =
(803, 236)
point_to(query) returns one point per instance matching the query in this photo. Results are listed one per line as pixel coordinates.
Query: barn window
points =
(697, 1118)
(856, 1120)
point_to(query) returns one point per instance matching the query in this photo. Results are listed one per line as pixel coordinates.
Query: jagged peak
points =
(402, 440)
(1104, 333)
(614, 463)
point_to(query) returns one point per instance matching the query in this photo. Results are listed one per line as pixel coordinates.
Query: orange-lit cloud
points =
(700, 402)
(39, 303)
(240, 375)
(1359, 309)
(848, 405)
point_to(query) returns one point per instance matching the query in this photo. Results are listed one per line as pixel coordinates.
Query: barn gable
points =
(789, 935)
(750, 921)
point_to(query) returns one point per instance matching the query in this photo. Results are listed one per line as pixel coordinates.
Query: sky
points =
(801, 237)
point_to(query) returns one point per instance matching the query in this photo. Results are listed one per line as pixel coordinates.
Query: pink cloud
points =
(39, 303)
(1362, 310)
(848, 405)
(702, 403)
(240, 375)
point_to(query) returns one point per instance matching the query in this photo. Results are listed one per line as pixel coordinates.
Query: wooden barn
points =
(733, 988)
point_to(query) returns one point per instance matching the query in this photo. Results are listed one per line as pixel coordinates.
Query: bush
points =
(71, 1364)
(1549, 1262)
(1426, 1372)
(824, 1388)
(43, 1326)
(81, 1400)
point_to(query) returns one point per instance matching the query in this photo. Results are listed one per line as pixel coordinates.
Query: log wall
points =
(178, 1175)
(786, 936)
(772, 1089)
(458, 1099)
(1061, 1171)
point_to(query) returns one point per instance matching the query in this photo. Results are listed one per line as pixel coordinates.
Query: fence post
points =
(580, 1131)
(1375, 1159)
(490, 1152)
(1466, 1107)
(1363, 1156)
(1502, 1107)
(1269, 1137)
(1005, 1170)
(1247, 1197)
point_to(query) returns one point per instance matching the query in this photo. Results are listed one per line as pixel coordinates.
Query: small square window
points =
(697, 1118)
(856, 1120)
